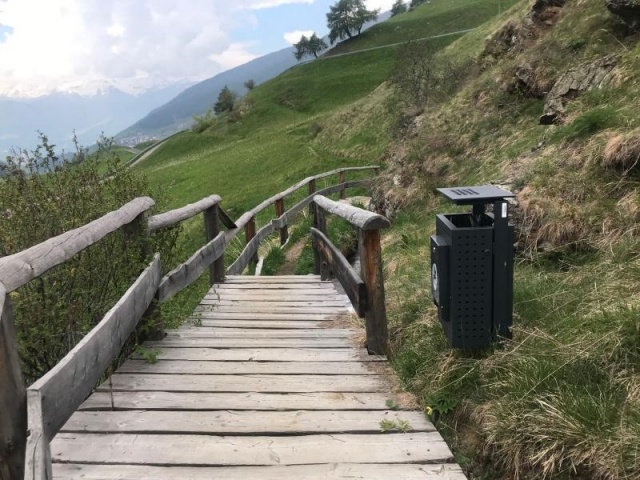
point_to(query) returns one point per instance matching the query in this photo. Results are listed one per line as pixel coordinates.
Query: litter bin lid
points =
(474, 195)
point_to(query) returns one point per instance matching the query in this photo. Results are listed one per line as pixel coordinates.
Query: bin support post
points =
(376, 313)
(502, 270)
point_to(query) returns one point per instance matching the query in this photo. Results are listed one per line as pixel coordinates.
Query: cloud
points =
(294, 37)
(383, 5)
(87, 45)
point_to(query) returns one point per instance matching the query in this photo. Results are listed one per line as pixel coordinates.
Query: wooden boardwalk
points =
(270, 384)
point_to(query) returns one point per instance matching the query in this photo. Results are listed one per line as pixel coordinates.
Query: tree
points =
(347, 17)
(250, 84)
(226, 100)
(309, 46)
(398, 8)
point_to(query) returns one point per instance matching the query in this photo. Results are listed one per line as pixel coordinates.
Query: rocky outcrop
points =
(576, 80)
(626, 10)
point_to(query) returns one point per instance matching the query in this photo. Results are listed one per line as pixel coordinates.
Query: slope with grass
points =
(562, 400)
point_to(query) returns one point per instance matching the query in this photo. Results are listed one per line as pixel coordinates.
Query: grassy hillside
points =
(562, 400)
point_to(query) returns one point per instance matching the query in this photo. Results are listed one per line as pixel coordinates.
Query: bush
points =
(43, 195)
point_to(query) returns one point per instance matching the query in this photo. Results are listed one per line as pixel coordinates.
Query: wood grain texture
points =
(245, 383)
(353, 285)
(223, 422)
(188, 272)
(66, 386)
(207, 401)
(20, 268)
(207, 313)
(249, 324)
(38, 452)
(190, 367)
(172, 217)
(235, 450)
(250, 251)
(330, 471)
(13, 397)
(252, 343)
(363, 219)
(284, 303)
(209, 332)
(211, 217)
(296, 354)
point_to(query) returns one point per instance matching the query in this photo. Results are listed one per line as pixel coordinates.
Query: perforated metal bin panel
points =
(470, 281)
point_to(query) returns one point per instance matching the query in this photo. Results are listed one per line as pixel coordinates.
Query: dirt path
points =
(292, 254)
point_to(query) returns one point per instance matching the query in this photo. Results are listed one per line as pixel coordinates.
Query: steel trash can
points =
(472, 267)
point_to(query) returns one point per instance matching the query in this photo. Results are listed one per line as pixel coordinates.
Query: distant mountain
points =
(199, 98)
(58, 115)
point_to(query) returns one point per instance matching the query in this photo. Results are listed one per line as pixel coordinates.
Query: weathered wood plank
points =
(66, 386)
(209, 332)
(22, 267)
(297, 279)
(38, 454)
(250, 250)
(363, 219)
(331, 471)
(275, 303)
(274, 296)
(13, 397)
(206, 313)
(246, 383)
(239, 291)
(172, 217)
(190, 367)
(222, 422)
(188, 272)
(253, 343)
(243, 308)
(236, 401)
(211, 217)
(264, 354)
(248, 324)
(353, 285)
(232, 450)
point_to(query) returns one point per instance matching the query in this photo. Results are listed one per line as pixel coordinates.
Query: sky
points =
(86, 46)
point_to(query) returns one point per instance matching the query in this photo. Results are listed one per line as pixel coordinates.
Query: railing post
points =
(249, 233)
(152, 318)
(312, 190)
(284, 231)
(376, 313)
(212, 229)
(341, 181)
(13, 399)
(320, 223)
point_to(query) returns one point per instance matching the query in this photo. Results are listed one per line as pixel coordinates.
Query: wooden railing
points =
(45, 406)
(366, 292)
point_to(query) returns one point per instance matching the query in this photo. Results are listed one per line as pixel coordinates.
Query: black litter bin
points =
(472, 267)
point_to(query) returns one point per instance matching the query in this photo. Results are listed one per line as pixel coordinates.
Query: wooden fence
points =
(30, 418)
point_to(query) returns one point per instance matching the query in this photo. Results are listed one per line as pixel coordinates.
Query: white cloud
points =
(294, 37)
(383, 5)
(84, 45)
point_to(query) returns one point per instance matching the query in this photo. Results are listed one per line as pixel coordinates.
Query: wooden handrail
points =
(369, 225)
(18, 269)
(172, 217)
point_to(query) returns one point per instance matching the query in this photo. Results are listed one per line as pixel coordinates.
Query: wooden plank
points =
(38, 454)
(250, 302)
(353, 285)
(188, 272)
(264, 354)
(253, 343)
(233, 450)
(376, 314)
(247, 324)
(242, 308)
(20, 268)
(190, 367)
(273, 296)
(323, 401)
(209, 332)
(279, 279)
(223, 422)
(211, 217)
(13, 397)
(66, 386)
(294, 290)
(250, 251)
(331, 471)
(172, 217)
(206, 313)
(363, 219)
(246, 383)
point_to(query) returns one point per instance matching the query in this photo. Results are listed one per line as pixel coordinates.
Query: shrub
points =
(43, 195)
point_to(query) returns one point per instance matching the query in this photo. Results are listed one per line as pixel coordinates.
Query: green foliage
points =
(399, 425)
(347, 17)
(149, 355)
(391, 404)
(398, 7)
(589, 123)
(273, 260)
(42, 196)
(309, 46)
(226, 100)
(250, 84)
